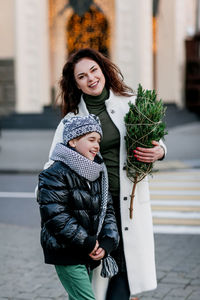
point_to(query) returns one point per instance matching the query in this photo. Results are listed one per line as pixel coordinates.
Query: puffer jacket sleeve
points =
(56, 218)
(109, 236)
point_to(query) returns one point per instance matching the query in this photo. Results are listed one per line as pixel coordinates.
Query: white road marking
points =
(176, 202)
(17, 195)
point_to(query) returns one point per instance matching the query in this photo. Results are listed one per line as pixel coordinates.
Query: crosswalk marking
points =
(176, 215)
(175, 201)
(175, 197)
(17, 195)
(175, 192)
(176, 208)
(169, 221)
(175, 188)
(183, 229)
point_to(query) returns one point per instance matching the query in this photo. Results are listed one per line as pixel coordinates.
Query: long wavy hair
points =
(69, 92)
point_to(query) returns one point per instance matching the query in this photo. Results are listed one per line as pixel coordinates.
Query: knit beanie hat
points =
(77, 126)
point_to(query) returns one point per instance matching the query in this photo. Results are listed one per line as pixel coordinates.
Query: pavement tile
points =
(25, 296)
(51, 291)
(176, 278)
(172, 298)
(186, 268)
(181, 292)
(147, 298)
(196, 282)
(7, 291)
(160, 275)
(195, 296)
(161, 291)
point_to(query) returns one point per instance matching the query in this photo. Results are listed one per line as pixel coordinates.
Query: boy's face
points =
(87, 145)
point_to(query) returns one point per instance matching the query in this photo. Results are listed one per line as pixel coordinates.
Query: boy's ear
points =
(72, 143)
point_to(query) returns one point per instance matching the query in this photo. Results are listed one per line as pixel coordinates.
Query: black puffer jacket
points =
(69, 208)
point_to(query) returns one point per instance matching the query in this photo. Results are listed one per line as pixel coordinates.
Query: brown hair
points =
(69, 92)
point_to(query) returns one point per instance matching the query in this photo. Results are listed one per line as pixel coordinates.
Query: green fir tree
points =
(143, 125)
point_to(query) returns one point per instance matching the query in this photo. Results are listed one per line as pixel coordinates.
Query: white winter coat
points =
(137, 232)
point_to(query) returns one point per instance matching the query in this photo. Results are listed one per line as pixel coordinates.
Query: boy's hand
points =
(95, 249)
(97, 253)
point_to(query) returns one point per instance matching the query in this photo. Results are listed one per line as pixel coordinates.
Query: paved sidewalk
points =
(24, 276)
(178, 268)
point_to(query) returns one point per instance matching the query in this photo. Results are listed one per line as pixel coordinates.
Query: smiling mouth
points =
(93, 84)
(93, 153)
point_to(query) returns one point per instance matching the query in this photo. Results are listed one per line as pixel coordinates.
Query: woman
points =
(91, 83)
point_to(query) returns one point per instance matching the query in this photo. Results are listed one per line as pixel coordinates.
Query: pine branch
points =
(143, 125)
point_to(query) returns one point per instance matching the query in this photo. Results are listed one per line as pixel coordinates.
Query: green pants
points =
(76, 281)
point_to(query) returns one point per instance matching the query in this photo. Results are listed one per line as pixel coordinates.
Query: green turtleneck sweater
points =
(109, 146)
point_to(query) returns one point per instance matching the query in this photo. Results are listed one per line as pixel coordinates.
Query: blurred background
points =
(155, 43)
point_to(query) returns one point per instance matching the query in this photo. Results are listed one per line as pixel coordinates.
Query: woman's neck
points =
(96, 100)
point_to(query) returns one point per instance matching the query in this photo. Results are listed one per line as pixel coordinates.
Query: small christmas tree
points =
(143, 125)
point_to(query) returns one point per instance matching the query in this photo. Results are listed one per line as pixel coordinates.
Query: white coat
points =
(137, 233)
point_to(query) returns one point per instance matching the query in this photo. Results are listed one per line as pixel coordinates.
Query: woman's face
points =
(89, 77)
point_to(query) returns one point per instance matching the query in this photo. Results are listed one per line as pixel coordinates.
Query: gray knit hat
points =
(77, 126)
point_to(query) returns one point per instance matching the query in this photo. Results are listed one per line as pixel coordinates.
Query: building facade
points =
(37, 36)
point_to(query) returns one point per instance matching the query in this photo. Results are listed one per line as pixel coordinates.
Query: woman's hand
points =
(149, 155)
(97, 253)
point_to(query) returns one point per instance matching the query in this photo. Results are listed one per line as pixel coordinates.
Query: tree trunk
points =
(132, 197)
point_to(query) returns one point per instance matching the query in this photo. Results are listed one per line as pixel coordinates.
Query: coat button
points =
(125, 198)
(112, 111)
(126, 228)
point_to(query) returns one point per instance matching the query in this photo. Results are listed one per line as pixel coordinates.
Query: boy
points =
(78, 226)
